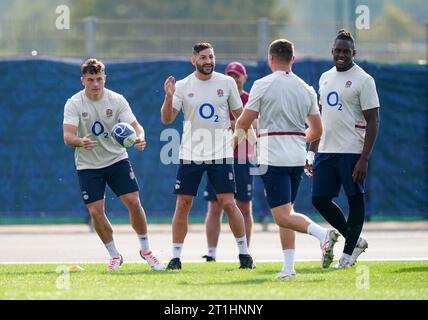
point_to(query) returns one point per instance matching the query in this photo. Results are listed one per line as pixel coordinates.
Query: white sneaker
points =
(153, 262)
(286, 275)
(342, 264)
(115, 263)
(361, 246)
(327, 247)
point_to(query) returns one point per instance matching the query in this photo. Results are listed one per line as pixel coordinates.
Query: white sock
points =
(317, 231)
(144, 243)
(112, 250)
(242, 245)
(176, 250)
(288, 265)
(212, 251)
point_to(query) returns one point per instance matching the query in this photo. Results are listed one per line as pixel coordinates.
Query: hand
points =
(140, 143)
(360, 170)
(309, 169)
(310, 156)
(88, 143)
(169, 86)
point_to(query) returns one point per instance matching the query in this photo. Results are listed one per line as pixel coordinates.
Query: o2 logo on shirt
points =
(333, 100)
(98, 129)
(207, 112)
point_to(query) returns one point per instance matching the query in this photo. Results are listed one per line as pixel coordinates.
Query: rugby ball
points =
(124, 134)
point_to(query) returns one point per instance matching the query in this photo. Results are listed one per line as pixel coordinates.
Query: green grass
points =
(215, 281)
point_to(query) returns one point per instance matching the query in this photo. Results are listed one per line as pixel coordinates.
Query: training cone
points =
(75, 268)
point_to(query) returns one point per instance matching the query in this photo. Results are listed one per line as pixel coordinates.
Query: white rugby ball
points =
(124, 134)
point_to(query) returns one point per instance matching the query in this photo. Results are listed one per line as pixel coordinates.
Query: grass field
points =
(216, 281)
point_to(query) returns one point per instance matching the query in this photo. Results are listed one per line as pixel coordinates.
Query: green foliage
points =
(175, 9)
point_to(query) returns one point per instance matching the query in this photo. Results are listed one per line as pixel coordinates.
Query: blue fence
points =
(37, 173)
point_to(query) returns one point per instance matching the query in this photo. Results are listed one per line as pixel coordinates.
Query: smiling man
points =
(206, 98)
(350, 116)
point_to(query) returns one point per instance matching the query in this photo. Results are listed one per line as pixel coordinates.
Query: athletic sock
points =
(242, 245)
(331, 212)
(212, 251)
(176, 250)
(144, 243)
(112, 250)
(317, 231)
(288, 265)
(355, 222)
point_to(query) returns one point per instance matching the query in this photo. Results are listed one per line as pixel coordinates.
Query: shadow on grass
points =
(415, 269)
(302, 271)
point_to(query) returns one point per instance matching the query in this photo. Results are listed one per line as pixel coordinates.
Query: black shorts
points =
(119, 177)
(333, 170)
(243, 181)
(281, 184)
(189, 177)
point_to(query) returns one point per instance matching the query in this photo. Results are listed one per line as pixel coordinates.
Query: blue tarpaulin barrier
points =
(37, 172)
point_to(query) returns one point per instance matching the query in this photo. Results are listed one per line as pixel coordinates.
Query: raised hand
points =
(169, 86)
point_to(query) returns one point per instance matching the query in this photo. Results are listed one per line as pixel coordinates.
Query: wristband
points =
(310, 156)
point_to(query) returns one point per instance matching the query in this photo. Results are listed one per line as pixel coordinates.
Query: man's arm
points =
(72, 140)
(314, 130)
(313, 135)
(168, 113)
(243, 124)
(361, 167)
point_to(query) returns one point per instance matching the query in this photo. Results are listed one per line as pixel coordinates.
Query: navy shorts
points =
(243, 180)
(119, 177)
(189, 177)
(281, 184)
(333, 170)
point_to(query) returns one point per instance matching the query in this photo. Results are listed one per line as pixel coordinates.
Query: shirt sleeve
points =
(254, 99)
(71, 115)
(313, 100)
(125, 112)
(234, 99)
(368, 95)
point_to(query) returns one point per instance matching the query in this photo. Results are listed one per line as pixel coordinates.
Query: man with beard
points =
(206, 98)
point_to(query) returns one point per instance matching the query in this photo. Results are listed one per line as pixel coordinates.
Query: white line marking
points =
(423, 259)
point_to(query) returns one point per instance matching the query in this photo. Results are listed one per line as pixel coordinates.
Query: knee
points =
(228, 204)
(215, 210)
(183, 205)
(245, 210)
(134, 205)
(96, 212)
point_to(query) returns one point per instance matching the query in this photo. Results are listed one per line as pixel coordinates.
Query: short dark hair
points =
(198, 47)
(344, 34)
(92, 66)
(283, 49)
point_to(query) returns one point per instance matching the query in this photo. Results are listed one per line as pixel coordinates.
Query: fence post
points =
(263, 38)
(90, 36)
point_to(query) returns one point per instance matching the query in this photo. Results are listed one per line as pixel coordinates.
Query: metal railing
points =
(246, 39)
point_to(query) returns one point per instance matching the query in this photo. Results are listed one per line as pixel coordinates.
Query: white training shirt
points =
(283, 101)
(98, 118)
(343, 97)
(206, 106)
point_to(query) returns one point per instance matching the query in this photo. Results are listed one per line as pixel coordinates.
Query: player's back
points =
(287, 101)
(283, 101)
